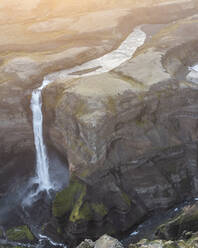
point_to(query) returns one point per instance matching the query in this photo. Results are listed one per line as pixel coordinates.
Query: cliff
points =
(129, 136)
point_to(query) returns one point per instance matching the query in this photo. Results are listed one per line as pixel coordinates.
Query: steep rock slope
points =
(130, 136)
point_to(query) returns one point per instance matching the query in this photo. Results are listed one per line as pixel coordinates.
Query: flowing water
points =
(42, 163)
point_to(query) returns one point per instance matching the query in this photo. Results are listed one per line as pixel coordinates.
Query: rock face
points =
(182, 226)
(130, 136)
(16, 148)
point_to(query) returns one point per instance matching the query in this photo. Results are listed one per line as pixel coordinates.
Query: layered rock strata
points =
(129, 135)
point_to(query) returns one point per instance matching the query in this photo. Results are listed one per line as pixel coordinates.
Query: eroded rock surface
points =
(129, 135)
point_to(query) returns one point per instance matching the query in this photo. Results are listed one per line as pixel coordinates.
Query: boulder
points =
(107, 242)
(104, 241)
(87, 243)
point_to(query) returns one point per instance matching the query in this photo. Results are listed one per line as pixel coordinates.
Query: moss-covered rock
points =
(177, 227)
(81, 210)
(126, 199)
(170, 244)
(99, 208)
(1, 233)
(66, 199)
(192, 243)
(20, 233)
(73, 201)
(9, 246)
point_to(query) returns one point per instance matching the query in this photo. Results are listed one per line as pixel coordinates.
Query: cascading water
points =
(42, 163)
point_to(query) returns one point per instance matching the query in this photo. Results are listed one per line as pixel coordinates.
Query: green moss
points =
(186, 221)
(81, 109)
(66, 199)
(140, 123)
(126, 199)
(170, 244)
(81, 210)
(1, 233)
(99, 208)
(111, 105)
(84, 173)
(19, 234)
(192, 241)
(181, 244)
(59, 230)
(9, 246)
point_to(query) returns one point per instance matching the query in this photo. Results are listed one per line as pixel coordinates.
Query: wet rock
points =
(181, 226)
(20, 234)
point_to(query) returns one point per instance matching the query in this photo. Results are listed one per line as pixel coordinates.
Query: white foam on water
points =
(193, 68)
(134, 233)
(43, 237)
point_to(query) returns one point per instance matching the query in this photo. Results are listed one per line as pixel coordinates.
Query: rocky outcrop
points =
(103, 242)
(182, 226)
(108, 242)
(129, 135)
(166, 244)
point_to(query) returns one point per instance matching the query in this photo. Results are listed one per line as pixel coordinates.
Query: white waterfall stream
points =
(42, 162)
(103, 64)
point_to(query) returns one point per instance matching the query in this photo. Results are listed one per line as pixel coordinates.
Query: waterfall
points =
(103, 64)
(42, 163)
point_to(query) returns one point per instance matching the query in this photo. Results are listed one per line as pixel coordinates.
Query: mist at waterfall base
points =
(19, 208)
(29, 199)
